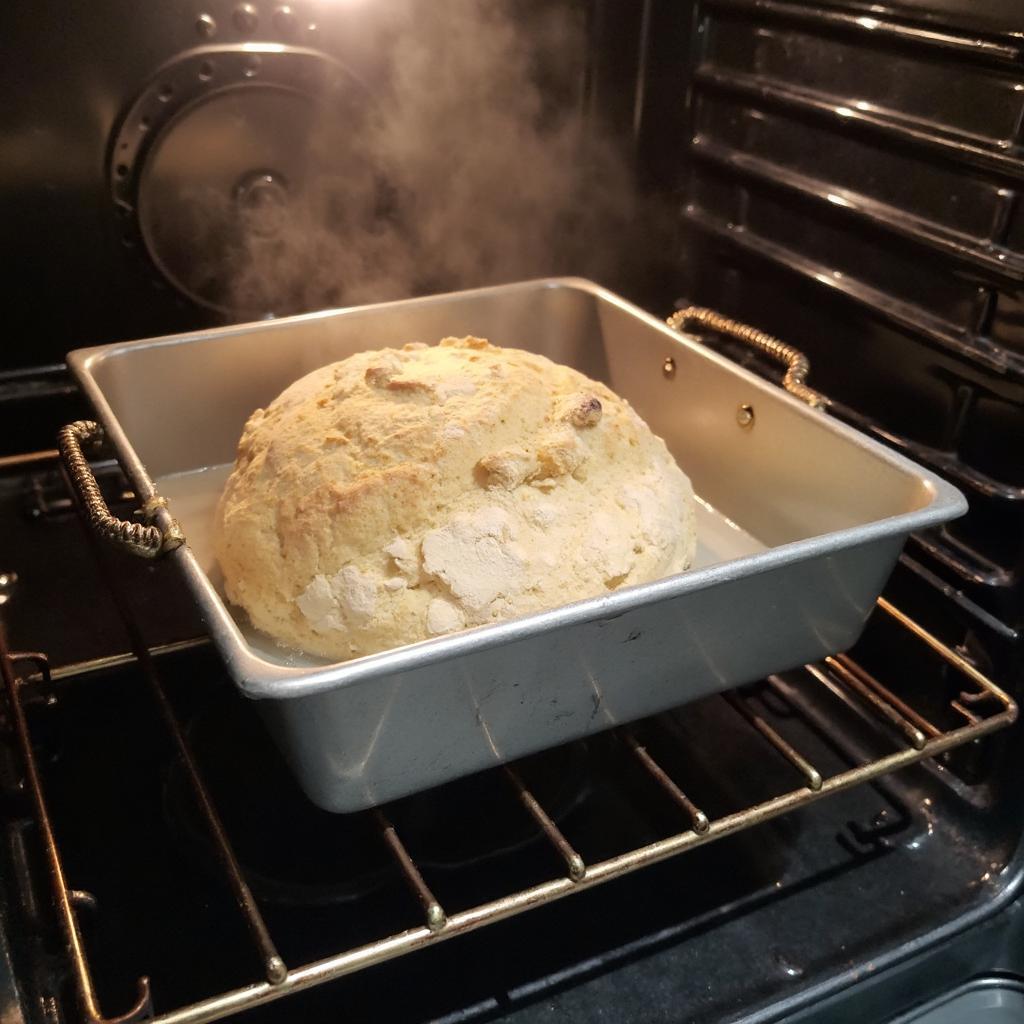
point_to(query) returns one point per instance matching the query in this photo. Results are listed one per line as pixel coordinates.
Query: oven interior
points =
(806, 848)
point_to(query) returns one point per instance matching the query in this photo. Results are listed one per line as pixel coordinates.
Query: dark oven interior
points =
(837, 843)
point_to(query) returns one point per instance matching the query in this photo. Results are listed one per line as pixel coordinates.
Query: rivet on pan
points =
(284, 20)
(246, 18)
(668, 368)
(745, 416)
(206, 26)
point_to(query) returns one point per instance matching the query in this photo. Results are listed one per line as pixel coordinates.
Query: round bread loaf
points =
(406, 493)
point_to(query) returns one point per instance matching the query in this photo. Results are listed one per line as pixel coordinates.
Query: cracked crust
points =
(405, 493)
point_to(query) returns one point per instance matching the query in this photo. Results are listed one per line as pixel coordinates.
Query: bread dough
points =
(409, 493)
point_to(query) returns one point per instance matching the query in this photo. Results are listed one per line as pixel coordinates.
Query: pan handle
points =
(797, 366)
(144, 539)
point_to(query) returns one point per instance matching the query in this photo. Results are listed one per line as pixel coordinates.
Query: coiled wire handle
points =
(797, 366)
(142, 539)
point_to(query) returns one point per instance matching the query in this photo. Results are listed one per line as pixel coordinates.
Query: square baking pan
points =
(801, 520)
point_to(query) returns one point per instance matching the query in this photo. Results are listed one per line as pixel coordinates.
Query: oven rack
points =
(982, 708)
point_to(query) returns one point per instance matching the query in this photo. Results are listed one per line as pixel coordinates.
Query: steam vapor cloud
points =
(465, 163)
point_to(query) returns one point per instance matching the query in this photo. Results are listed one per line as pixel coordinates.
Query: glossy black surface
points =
(845, 175)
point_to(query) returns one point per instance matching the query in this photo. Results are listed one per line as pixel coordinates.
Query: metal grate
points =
(981, 705)
(980, 708)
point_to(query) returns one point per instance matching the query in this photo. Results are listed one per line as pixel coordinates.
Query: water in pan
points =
(192, 497)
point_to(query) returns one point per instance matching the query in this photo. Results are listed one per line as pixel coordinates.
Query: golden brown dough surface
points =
(406, 493)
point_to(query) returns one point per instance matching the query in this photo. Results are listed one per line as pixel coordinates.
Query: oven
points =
(839, 842)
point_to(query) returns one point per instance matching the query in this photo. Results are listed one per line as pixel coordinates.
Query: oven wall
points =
(78, 273)
(850, 182)
(68, 70)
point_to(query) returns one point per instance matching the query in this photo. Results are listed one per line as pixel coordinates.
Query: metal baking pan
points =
(802, 519)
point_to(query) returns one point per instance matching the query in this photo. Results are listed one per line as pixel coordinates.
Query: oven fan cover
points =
(215, 155)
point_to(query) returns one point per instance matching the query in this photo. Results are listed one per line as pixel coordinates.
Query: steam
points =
(463, 162)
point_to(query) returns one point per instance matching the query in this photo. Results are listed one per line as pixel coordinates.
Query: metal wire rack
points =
(981, 707)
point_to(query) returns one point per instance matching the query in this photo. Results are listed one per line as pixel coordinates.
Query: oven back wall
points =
(66, 71)
(113, 110)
